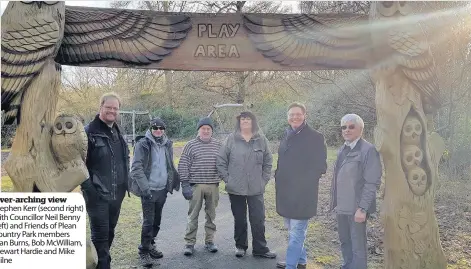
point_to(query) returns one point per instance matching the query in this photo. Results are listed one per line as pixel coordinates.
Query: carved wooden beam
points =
(38, 37)
(224, 42)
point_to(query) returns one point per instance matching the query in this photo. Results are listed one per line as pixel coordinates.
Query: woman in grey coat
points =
(244, 163)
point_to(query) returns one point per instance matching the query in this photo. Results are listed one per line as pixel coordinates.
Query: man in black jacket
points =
(302, 159)
(108, 165)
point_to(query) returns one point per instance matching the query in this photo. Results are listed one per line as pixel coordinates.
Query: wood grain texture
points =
(224, 42)
(317, 41)
(406, 90)
(129, 36)
(26, 46)
(400, 41)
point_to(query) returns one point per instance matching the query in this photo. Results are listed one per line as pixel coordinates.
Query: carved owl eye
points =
(68, 125)
(405, 8)
(45, 2)
(387, 8)
(59, 126)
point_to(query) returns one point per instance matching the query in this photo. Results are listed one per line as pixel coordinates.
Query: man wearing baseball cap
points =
(200, 181)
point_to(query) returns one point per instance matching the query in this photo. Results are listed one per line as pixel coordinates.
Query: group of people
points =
(244, 162)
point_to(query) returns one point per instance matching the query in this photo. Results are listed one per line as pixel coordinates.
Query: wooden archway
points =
(39, 37)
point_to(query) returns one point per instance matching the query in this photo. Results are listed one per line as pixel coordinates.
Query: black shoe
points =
(269, 255)
(145, 260)
(189, 249)
(211, 247)
(240, 253)
(155, 253)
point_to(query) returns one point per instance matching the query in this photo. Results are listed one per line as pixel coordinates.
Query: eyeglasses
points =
(350, 127)
(110, 108)
(158, 128)
(297, 115)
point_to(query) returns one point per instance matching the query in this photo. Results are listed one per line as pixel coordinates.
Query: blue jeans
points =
(296, 252)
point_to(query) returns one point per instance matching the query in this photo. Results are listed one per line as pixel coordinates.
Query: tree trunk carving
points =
(48, 152)
(410, 154)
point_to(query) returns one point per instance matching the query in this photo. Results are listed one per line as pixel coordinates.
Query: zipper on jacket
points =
(113, 172)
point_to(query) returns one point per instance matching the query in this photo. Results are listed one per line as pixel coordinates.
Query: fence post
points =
(133, 127)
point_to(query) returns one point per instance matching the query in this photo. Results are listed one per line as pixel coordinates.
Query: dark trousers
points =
(103, 215)
(152, 215)
(257, 222)
(352, 236)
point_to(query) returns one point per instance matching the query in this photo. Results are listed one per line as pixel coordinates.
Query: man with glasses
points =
(108, 164)
(357, 176)
(302, 159)
(152, 176)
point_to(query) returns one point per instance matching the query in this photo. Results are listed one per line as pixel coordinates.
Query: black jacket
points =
(302, 159)
(101, 162)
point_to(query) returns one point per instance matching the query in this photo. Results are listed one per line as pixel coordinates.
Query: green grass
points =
(7, 185)
(179, 143)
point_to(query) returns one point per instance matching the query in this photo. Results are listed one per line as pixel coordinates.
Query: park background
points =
(181, 98)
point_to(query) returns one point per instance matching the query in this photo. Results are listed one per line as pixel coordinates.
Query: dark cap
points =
(205, 121)
(157, 122)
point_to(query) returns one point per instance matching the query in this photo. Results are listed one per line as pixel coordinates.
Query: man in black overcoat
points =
(302, 159)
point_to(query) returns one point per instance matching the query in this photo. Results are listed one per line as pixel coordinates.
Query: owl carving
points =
(69, 140)
(402, 45)
(39, 33)
(28, 45)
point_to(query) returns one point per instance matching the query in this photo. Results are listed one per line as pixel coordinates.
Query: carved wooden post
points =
(405, 84)
(48, 152)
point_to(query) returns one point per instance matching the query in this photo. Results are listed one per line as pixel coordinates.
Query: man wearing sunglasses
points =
(152, 176)
(357, 176)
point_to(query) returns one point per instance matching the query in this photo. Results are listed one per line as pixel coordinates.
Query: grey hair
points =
(353, 118)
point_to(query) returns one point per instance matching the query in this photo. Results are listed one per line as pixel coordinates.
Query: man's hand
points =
(360, 215)
(187, 191)
(147, 195)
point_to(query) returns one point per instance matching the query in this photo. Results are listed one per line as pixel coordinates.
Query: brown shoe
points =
(282, 264)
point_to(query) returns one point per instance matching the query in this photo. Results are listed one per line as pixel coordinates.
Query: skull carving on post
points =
(412, 131)
(412, 157)
(417, 179)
